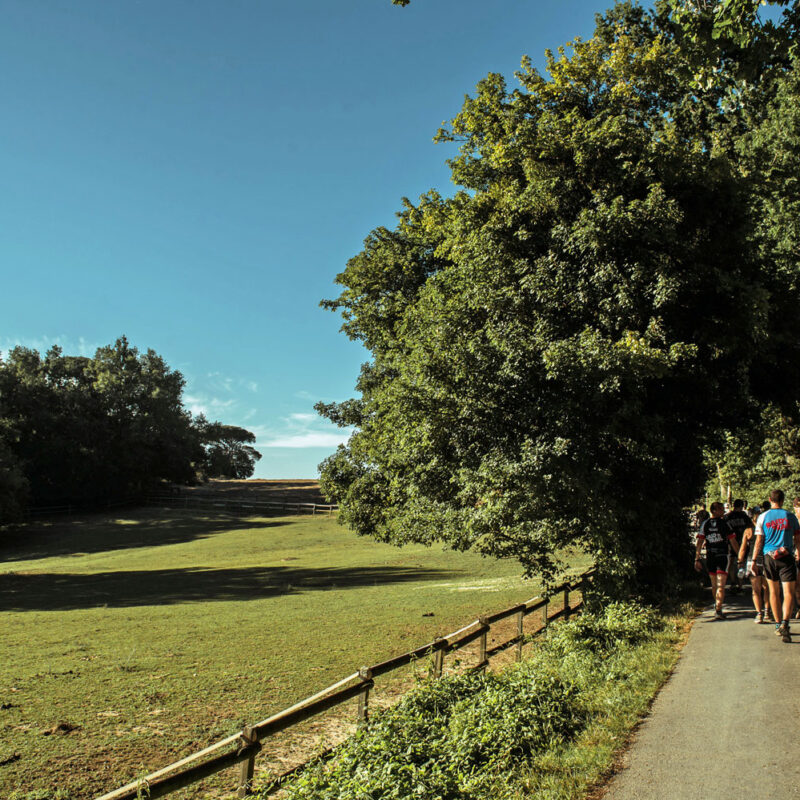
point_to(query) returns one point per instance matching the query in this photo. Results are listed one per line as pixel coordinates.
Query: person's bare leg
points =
(765, 588)
(755, 583)
(775, 599)
(797, 599)
(718, 581)
(788, 600)
(722, 579)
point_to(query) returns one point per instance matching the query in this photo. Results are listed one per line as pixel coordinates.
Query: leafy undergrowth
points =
(545, 728)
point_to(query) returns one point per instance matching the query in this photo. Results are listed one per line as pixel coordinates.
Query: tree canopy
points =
(77, 430)
(553, 346)
(228, 451)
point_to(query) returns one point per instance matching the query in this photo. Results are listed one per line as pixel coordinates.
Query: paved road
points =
(715, 731)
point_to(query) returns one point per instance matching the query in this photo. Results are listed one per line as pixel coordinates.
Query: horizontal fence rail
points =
(238, 504)
(76, 508)
(242, 748)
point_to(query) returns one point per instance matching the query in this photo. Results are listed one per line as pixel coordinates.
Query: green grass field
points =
(129, 642)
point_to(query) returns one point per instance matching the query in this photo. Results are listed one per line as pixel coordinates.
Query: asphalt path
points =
(727, 722)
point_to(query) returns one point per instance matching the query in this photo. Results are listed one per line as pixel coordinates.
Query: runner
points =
(700, 516)
(777, 537)
(716, 534)
(796, 505)
(754, 570)
(739, 521)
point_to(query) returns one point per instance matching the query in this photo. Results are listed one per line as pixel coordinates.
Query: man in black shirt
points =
(716, 534)
(740, 521)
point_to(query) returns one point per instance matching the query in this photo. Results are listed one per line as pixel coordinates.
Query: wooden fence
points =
(189, 500)
(215, 502)
(242, 748)
(76, 508)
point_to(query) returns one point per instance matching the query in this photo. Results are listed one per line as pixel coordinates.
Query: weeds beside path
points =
(547, 728)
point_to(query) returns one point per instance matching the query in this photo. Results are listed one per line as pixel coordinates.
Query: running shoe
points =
(759, 620)
(785, 633)
(718, 613)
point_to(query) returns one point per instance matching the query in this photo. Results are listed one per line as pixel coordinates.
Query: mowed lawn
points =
(128, 642)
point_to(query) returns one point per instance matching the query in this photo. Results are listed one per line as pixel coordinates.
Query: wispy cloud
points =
(330, 439)
(303, 429)
(210, 406)
(304, 419)
(71, 347)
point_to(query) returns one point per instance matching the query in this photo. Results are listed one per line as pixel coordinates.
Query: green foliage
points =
(619, 624)
(551, 346)
(465, 736)
(13, 485)
(730, 22)
(227, 449)
(754, 459)
(76, 429)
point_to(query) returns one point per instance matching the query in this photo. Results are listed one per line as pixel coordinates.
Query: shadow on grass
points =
(67, 591)
(127, 529)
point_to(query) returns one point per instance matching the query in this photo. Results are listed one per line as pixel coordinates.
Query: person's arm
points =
(701, 538)
(734, 542)
(759, 544)
(746, 536)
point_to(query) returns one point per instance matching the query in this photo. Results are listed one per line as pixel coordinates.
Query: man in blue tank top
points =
(777, 536)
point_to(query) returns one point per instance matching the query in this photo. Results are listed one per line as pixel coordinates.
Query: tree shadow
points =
(69, 591)
(127, 529)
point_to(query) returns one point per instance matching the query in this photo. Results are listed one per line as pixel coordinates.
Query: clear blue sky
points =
(194, 174)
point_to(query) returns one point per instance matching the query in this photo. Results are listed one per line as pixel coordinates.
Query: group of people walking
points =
(766, 545)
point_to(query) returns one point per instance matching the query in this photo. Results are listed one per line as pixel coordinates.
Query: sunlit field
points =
(131, 641)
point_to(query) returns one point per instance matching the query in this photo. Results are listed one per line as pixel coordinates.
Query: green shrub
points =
(460, 736)
(619, 623)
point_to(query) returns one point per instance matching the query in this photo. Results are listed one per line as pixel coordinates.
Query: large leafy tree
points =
(551, 347)
(227, 449)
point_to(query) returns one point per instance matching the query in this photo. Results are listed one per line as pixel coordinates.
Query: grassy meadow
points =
(130, 641)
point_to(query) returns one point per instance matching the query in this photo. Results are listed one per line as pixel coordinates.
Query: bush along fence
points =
(217, 503)
(242, 747)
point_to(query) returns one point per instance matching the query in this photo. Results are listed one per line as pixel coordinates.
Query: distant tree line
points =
(81, 430)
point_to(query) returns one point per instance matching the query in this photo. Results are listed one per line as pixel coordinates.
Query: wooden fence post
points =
(248, 767)
(520, 633)
(438, 660)
(365, 674)
(566, 602)
(482, 661)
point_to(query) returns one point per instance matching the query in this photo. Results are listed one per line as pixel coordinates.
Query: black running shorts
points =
(780, 569)
(717, 563)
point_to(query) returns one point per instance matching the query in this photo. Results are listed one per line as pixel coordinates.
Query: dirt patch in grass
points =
(288, 491)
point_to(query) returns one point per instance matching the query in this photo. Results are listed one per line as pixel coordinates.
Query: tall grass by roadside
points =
(546, 728)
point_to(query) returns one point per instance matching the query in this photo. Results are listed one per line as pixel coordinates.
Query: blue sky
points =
(194, 174)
